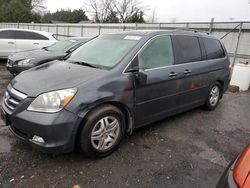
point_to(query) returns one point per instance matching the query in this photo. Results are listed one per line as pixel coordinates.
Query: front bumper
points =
(58, 129)
(14, 69)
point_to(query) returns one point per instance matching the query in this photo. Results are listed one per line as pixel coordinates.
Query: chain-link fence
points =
(235, 35)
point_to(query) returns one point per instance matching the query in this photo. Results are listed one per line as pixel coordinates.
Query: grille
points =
(12, 98)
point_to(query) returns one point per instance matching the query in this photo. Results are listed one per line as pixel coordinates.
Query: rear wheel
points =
(214, 96)
(102, 132)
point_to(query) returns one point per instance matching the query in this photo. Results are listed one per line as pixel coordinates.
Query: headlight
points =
(25, 62)
(52, 102)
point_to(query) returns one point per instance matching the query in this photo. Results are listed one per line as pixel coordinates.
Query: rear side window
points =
(158, 53)
(7, 34)
(186, 49)
(213, 48)
(25, 35)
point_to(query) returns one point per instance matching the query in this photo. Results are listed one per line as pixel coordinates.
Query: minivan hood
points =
(52, 76)
(36, 55)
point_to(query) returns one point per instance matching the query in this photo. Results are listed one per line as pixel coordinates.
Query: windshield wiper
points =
(84, 64)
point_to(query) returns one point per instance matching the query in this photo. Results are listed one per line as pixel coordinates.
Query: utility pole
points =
(211, 25)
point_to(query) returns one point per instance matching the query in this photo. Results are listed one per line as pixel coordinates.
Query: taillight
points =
(230, 68)
(242, 168)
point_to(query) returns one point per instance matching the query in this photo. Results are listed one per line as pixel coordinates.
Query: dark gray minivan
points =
(113, 84)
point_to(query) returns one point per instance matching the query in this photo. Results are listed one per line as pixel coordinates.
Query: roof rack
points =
(191, 30)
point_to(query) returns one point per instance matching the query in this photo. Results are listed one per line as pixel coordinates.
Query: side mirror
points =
(141, 76)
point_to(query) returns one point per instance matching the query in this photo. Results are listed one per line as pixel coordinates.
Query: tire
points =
(214, 96)
(101, 132)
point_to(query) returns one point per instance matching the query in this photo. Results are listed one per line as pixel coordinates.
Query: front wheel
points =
(102, 132)
(214, 96)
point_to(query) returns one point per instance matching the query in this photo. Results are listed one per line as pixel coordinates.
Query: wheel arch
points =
(128, 114)
(129, 117)
(222, 87)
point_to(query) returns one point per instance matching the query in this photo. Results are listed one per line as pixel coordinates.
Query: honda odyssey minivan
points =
(112, 85)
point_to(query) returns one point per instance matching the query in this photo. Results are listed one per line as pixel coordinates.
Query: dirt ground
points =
(189, 150)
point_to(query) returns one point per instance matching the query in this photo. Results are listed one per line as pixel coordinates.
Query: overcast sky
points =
(180, 10)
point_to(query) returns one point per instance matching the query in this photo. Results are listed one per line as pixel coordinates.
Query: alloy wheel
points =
(214, 95)
(105, 133)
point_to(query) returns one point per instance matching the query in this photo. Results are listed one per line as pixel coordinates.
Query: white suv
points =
(16, 40)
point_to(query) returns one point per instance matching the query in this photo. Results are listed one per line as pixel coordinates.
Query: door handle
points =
(187, 72)
(173, 74)
(11, 43)
(36, 43)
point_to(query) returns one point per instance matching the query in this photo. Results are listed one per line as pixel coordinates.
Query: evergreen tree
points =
(16, 11)
(68, 16)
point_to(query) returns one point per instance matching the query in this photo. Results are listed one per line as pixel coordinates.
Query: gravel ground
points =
(188, 150)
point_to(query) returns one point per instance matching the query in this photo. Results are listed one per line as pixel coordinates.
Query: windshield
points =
(61, 46)
(104, 51)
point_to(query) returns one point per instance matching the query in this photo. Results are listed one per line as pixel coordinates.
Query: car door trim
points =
(171, 95)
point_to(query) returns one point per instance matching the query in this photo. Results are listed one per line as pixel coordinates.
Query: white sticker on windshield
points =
(131, 37)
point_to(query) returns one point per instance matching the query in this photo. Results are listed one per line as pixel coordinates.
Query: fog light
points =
(38, 139)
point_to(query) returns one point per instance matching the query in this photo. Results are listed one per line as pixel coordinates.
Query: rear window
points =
(29, 36)
(213, 48)
(186, 49)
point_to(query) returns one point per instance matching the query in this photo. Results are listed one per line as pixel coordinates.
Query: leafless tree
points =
(126, 8)
(123, 9)
(153, 17)
(38, 5)
(99, 9)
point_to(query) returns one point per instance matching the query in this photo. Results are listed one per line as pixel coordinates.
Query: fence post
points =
(99, 29)
(82, 30)
(237, 44)
(57, 30)
(68, 31)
